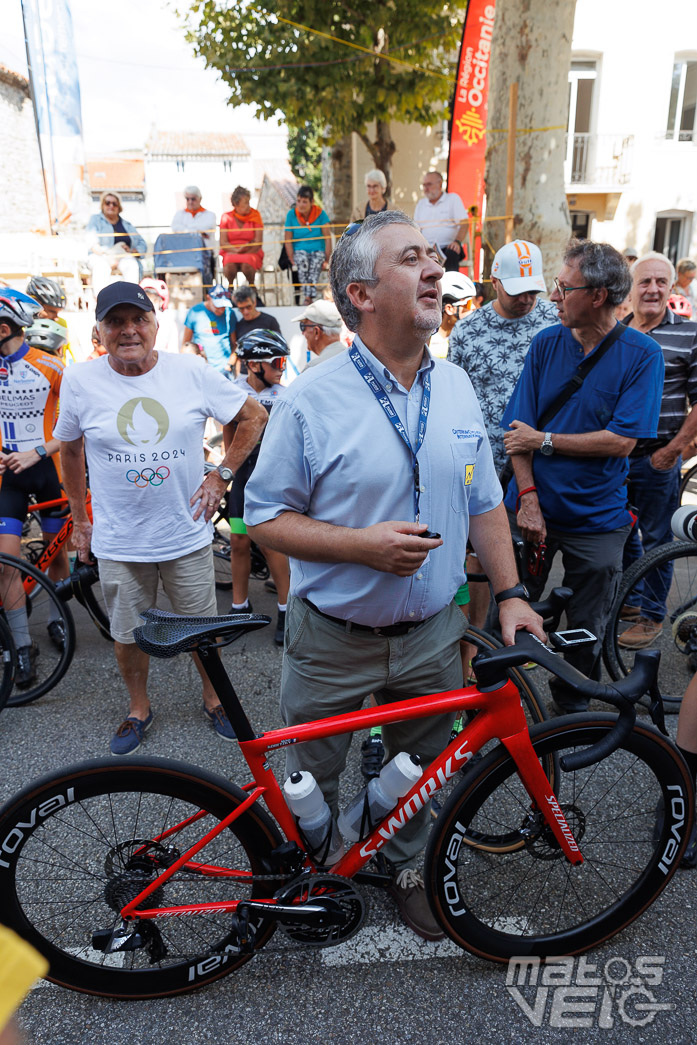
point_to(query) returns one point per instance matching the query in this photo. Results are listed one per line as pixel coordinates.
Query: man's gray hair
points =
(654, 255)
(601, 266)
(355, 257)
(246, 293)
(192, 190)
(685, 265)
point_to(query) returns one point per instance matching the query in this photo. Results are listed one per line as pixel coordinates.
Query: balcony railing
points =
(598, 159)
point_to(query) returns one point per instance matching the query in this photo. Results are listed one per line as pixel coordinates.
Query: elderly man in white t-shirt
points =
(442, 218)
(195, 218)
(138, 416)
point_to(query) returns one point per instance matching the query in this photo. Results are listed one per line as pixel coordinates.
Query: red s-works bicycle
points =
(140, 878)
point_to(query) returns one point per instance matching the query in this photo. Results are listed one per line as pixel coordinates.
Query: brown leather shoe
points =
(641, 634)
(630, 613)
(408, 890)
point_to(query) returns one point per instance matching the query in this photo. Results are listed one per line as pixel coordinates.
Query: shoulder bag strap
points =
(579, 377)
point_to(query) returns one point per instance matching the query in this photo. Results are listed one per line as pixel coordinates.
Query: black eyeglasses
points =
(567, 290)
(304, 326)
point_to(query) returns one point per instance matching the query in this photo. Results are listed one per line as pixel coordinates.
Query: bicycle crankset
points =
(345, 909)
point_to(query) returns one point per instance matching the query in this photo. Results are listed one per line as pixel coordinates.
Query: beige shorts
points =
(131, 587)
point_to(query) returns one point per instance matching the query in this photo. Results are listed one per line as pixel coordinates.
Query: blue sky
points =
(136, 69)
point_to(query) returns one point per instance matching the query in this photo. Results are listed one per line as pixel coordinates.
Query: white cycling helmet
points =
(456, 288)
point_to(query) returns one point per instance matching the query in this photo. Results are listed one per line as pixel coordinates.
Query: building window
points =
(227, 166)
(582, 77)
(580, 224)
(672, 235)
(180, 166)
(683, 102)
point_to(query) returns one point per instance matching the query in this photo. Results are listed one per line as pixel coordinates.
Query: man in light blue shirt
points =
(362, 456)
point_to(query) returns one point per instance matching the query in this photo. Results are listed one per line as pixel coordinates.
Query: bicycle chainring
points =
(311, 888)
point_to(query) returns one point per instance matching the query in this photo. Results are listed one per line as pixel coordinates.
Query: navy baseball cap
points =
(122, 293)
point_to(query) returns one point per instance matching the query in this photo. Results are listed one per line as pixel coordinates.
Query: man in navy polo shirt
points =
(569, 490)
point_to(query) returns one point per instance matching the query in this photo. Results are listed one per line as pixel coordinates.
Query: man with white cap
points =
(492, 344)
(320, 325)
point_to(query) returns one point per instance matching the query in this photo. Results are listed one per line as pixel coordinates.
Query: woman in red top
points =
(240, 238)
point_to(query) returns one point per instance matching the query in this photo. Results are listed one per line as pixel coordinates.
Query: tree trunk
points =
(382, 150)
(337, 177)
(531, 45)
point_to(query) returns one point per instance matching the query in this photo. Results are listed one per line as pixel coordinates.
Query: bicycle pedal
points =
(111, 941)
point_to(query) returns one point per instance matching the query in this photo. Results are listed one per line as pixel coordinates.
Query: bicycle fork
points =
(537, 786)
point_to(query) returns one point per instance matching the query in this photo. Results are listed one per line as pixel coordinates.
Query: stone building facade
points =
(23, 200)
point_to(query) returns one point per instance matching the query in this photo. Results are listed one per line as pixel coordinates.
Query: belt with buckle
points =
(387, 631)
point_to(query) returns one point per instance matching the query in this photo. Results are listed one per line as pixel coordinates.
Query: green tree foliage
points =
(305, 152)
(276, 66)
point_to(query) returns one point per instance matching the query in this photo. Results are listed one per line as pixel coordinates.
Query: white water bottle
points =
(315, 820)
(376, 800)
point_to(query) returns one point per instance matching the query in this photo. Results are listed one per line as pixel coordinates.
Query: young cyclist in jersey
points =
(29, 386)
(265, 353)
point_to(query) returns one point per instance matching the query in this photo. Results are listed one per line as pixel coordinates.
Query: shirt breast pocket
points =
(464, 456)
(603, 405)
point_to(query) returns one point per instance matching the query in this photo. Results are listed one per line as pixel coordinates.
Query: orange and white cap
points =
(518, 266)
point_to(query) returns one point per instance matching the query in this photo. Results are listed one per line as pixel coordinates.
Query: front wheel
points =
(80, 845)
(631, 815)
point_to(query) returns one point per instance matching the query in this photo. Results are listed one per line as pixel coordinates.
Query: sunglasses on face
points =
(278, 362)
(306, 326)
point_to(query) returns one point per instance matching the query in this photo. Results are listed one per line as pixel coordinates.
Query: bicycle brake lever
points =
(656, 709)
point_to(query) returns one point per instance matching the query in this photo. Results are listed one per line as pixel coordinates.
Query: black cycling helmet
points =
(46, 291)
(262, 345)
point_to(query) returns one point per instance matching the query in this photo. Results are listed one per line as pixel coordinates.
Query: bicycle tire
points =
(69, 846)
(85, 595)
(43, 606)
(8, 655)
(688, 487)
(674, 672)
(532, 902)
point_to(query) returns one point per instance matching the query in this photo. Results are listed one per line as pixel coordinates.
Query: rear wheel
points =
(88, 840)
(8, 662)
(53, 650)
(677, 639)
(528, 900)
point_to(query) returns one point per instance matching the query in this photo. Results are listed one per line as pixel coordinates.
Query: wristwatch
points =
(519, 591)
(547, 447)
(226, 474)
(41, 451)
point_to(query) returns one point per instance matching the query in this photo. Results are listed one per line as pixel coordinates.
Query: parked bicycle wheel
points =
(221, 561)
(21, 583)
(677, 640)
(530, 900)
(688, 486)
(104, 831)
(8, 662)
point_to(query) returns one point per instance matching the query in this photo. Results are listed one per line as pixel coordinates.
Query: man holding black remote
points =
(381, 445)
(589, 389)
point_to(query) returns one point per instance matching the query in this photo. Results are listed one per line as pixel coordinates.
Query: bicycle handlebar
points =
(491, 666)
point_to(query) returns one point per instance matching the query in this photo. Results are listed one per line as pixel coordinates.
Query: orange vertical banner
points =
(469, 113)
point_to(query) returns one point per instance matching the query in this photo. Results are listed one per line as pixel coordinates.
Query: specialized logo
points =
(142, 422)
(148, 477)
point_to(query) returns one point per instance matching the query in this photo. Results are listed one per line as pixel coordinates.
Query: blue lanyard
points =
(385, 402)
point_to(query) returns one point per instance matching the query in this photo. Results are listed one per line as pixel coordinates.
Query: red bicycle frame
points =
(51, 550)
(500, 716)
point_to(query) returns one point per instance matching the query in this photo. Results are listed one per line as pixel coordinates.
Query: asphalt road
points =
(384, 987)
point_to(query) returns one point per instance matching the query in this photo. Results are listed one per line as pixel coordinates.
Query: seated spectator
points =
(245, 299)
(308, 241)
(194, 217)
(167, 332)
(375, 185)
(209, 329)
(112, 243)
(241, 233)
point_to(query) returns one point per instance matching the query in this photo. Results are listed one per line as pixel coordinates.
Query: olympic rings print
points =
(148, 477)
